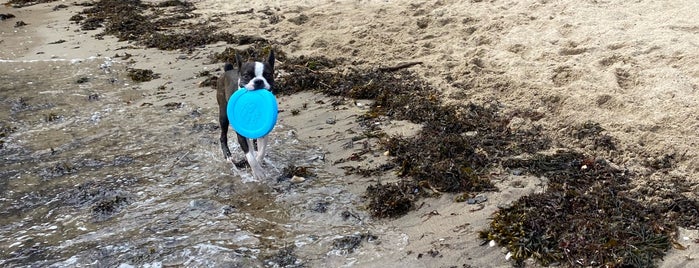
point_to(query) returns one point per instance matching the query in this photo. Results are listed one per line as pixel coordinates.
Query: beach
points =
(628, 70)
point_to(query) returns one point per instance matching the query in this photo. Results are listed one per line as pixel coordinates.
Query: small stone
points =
(477, 200)
(297, 179)
(330, 121)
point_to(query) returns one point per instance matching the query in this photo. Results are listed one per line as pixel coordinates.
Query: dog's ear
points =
(239, 62)
(270, 59)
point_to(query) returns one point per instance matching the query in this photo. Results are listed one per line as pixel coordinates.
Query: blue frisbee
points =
(252, 113)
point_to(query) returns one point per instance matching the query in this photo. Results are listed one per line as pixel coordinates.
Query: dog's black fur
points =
(232, 79)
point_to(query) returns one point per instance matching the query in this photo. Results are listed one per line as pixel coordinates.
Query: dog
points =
(251, 76)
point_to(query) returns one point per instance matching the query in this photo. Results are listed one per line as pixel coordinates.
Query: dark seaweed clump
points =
(588, 216)
(464, 141)
(142, 75)
(392, 199)
(348, 244)
(592, 133)
(5, 131)
(585, 217)
(162, 25)
(6, 16)
(285, 257)
(292, 170)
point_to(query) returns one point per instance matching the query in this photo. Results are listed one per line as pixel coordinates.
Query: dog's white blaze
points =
(259, 67)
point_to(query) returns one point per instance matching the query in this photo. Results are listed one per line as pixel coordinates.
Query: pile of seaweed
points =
(453, 152)
(161, 25)
(586, 217)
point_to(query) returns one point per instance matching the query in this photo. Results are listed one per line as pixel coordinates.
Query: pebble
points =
(297, 179)
(477, 200)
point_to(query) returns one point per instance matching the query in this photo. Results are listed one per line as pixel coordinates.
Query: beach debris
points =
(291, 171)
(579, 215)
(300, 19)
(57, 42)
(6, 16)
(346, 215)
(297, 179)
(285, 257)
(477, 200)
(466, 141)
(348, 244)
(320, 207)
(59, 7)
(399, 66)
(244, 11)
(393, 199)
(82, 80)
(159, 25)
(142, 75)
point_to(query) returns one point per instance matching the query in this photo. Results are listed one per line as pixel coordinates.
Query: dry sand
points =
(631, 66)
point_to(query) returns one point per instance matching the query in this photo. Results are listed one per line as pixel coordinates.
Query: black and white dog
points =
(252, 76)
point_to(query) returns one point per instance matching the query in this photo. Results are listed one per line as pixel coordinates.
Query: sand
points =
(631, 66)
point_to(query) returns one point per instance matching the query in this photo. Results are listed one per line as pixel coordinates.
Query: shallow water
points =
(93, 175)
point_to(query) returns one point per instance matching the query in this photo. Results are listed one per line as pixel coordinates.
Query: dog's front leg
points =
(261, 146)
(257, 171)
(223, 122)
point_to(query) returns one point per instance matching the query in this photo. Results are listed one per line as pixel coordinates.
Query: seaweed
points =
(142, 75)
(292, 171)
(106, 207)
(285, 257)
(6, 16)
(165, 27)
(588, 214)
(349, 243)
(585, 217)
(464, 141)
(392, 199)
(593, 132)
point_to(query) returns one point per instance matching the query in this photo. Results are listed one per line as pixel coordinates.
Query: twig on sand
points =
(399, 66)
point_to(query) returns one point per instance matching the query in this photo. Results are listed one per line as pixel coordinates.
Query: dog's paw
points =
(258, 173)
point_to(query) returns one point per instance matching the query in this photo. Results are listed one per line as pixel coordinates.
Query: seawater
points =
(93, 175)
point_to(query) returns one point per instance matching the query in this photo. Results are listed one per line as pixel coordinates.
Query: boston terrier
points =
(251, 76)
